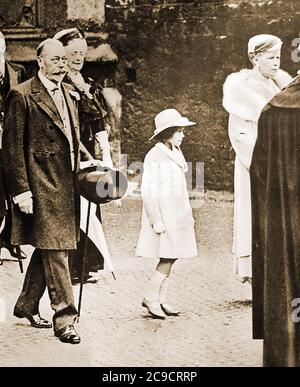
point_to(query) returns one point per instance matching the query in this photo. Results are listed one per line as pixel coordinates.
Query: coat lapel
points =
(42, 98)
(176, 156)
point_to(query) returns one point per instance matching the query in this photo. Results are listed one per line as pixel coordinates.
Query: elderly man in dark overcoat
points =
(41, 158)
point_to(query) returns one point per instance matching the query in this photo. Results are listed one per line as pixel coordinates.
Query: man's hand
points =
(159, 227)
(26, 206)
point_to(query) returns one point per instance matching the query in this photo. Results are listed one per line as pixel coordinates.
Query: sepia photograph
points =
(149, 186)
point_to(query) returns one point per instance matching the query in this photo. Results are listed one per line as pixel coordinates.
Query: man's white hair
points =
(43, 44)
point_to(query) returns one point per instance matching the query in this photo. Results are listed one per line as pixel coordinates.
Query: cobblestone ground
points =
(214, 329)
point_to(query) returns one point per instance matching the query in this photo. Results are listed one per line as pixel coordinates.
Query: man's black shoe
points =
(68, 335)
(35, 320)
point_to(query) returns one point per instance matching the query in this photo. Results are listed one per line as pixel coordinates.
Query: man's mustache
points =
(60, 72)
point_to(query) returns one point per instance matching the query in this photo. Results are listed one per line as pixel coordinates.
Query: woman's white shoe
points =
(154, 308)
(168, 310)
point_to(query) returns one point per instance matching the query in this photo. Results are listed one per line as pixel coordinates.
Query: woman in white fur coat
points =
(167, 228)
(245, 94)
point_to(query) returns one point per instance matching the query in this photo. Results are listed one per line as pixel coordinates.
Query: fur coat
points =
(245, 94)
(245, 97)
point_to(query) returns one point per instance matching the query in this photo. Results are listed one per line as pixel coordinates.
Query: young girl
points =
(167, 229)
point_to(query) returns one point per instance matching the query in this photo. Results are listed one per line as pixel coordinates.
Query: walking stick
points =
(84, 259)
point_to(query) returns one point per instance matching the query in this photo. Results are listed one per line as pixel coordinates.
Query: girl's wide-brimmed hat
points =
(169, 118)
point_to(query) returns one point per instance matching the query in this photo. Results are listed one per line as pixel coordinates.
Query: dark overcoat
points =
(275, 186)
(14, 74)
(37, 159)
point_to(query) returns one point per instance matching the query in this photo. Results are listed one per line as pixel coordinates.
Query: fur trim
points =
(245, 98)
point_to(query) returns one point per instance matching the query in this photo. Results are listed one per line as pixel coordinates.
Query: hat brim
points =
(101, 185)
(182, 122)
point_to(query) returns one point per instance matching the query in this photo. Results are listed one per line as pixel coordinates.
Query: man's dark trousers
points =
(49, 268)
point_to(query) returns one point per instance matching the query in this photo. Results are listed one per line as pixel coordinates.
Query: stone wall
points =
(177, 54)
(47, 17)
(171, 53)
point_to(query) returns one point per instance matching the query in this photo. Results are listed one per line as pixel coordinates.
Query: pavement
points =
(213, 330)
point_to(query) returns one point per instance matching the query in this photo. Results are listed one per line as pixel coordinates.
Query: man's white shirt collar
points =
(47, 82)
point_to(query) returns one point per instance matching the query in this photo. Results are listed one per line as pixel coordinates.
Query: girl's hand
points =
(159, 227)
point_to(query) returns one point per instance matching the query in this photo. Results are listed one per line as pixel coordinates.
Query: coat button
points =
(51, 140)
(52, 153)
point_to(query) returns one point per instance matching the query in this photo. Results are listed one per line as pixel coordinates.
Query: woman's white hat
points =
(263, 43)
(66, 31)
(169, 118)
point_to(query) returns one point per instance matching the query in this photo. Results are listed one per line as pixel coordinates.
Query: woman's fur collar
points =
(245, 98)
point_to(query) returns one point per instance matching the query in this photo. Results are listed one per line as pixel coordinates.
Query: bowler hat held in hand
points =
(100, 184)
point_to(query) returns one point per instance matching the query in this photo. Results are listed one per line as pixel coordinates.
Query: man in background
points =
(10, 75)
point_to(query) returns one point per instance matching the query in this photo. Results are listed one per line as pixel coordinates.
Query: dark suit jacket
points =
(37, 158)
(14, 74)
